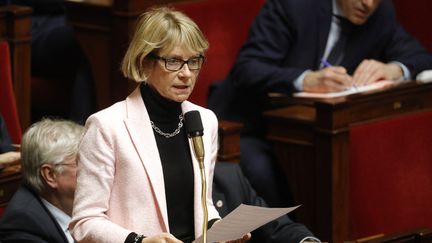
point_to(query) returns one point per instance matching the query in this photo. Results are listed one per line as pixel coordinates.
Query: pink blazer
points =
(120, 185)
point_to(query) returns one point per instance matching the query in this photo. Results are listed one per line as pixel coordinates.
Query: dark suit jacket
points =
(5, 141)
(289, 37)
(231, 188)
(26, 219)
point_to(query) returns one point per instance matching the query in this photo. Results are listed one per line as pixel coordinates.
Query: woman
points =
(137, 180)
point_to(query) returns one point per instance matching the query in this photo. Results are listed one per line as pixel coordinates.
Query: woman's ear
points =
(147, 66)
(49, 175)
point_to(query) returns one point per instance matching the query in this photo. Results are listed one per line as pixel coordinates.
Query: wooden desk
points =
(311, 140)
(411, 236)
(10, 180)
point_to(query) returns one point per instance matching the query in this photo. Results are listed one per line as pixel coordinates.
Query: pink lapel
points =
(141, 134)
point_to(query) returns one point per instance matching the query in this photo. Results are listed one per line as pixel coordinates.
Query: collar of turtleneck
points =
(160, 109)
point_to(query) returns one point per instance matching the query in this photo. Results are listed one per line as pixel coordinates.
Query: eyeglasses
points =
(175, 64)
(66, 164)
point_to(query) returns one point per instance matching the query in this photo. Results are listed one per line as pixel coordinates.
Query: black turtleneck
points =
(176, 163)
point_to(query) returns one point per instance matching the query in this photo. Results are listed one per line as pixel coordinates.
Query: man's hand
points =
(330, 79)
(9, 157)
(370, 71)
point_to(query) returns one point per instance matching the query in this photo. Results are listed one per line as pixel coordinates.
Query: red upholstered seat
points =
(415, 19)
(8, 107)
(225, 24)
(391, 175)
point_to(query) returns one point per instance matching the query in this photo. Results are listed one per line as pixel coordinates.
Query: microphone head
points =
(193, 124)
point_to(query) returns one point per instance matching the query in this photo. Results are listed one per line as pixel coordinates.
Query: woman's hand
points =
(245, 238)
(161, 238)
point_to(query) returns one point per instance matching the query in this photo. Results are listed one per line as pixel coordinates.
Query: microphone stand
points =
(199, 155)
(195, 131)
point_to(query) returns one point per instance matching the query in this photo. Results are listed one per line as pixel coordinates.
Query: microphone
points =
(195, 131)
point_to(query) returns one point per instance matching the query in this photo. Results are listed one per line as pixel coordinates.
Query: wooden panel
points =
(15, 28)
(10, 180)
(229, 141)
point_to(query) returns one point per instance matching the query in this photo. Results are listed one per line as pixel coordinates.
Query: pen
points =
(16, 145)
(325, 63)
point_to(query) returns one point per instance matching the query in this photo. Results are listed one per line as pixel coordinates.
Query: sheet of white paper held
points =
(242, 220)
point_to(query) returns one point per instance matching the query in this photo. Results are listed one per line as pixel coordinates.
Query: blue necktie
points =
(337, 53)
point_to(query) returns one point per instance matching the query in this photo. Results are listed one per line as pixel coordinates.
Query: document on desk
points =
(353, 90)
(242, 220)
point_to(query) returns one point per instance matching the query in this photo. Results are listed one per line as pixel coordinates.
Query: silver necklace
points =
(165, 134)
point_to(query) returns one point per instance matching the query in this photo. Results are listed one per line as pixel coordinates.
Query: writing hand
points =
(329, 79)
(370, 71)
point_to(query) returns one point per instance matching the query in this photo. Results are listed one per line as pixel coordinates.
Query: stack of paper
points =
(353, 90)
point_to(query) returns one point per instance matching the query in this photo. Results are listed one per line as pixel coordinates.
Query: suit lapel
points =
(60, 236)
(141, 134)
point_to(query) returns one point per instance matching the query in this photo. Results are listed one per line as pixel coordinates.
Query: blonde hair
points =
(160, 30)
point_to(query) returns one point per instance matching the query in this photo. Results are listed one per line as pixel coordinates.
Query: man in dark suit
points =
(40, 210)
(7, 153)
(5, 141)
(231, 188)
(360, 42)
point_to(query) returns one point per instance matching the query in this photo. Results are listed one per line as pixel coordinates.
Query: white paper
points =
(353, 90)
(244, 219)
(425, 76)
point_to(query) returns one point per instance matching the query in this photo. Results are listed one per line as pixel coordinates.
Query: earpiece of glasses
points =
(66, 164)
(175, 64)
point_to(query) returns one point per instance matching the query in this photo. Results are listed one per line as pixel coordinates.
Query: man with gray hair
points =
(40, 210)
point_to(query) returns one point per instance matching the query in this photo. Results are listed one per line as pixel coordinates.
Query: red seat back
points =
(415, 16)
(391, 175)
(8, 107)
(225, 24)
